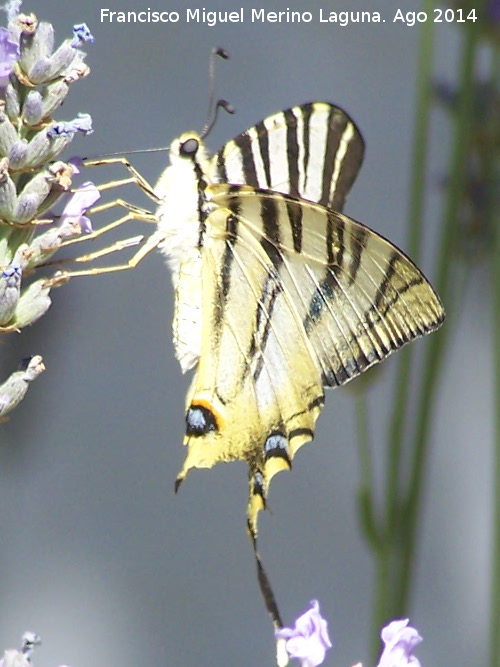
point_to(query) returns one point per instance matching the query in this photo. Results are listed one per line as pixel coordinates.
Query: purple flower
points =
(400, 640)
(81, 34)
(85, 197)
(308, 641)
(9, 53)
(82, 123)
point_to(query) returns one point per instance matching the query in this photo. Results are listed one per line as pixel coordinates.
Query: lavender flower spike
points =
(400, 640)
(9, 53)
(308, 641)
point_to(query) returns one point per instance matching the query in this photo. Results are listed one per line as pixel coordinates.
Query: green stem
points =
(494, 171)
(437, 342)
(371, 526)
(381, 597)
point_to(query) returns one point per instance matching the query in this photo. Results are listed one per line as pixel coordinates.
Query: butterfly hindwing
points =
(283, 314)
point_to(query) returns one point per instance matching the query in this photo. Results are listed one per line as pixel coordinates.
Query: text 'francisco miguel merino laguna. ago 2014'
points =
(242, 15)
(260, 15)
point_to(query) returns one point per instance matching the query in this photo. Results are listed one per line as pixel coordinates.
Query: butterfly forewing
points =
(312, 152)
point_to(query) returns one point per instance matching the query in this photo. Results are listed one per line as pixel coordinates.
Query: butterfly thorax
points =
(181, 189)
(181, 221)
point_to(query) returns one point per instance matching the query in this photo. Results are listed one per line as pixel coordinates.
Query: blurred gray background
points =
(97, 554)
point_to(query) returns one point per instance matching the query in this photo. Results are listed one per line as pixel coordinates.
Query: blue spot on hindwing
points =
(277, 445)
(200, 420)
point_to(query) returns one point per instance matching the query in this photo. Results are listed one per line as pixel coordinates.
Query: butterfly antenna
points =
(211, 117)
(221, 104)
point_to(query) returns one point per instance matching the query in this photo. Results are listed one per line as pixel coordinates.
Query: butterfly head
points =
(188, 149)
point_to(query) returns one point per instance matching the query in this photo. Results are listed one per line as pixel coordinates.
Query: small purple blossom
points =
(79, 203)
(82, 123)
(400, 640)
(308, 641)
(9, 53)
(81, 34)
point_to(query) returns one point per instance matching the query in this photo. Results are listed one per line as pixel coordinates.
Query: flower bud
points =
(23, 256)
(44, 246)
(43, 40)
(40, 72)
(54, 96)
(37, 42)
(10, 283)
(46, 69)
(12, 392)
(8, 134)
(40, 150)
(18, 154)
(10, 289)
(33, 303)
(12, 102)
(8, 195)
(33, 108)
(26, 208)
(39, 186)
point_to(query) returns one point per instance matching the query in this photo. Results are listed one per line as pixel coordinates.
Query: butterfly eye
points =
(189, 148)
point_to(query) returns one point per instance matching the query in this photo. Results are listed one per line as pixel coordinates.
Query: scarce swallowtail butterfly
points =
(277, 293)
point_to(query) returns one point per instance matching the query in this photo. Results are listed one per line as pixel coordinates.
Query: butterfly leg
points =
(152, 242)
(134, 213)
(135, 177)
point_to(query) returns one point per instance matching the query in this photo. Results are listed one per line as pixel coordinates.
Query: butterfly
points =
(278, 294)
